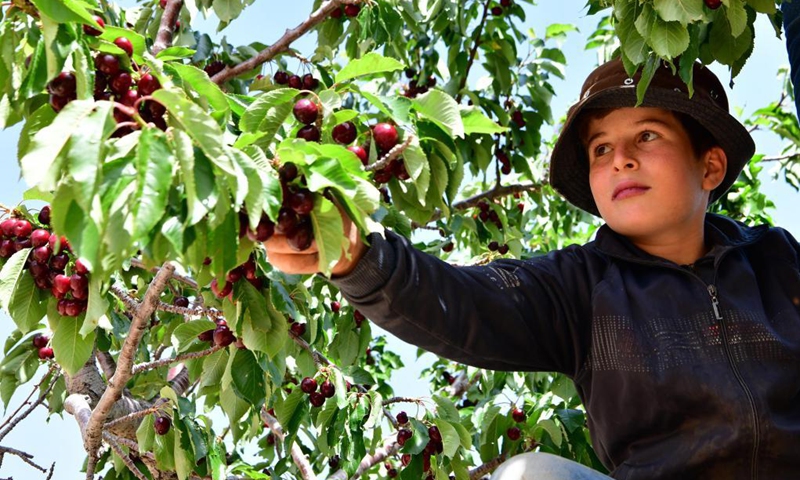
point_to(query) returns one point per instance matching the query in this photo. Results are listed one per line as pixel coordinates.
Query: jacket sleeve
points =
(791, 24)
(531, 315)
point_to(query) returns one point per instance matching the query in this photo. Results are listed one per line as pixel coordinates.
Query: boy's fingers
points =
(294, 263)
(278, 244)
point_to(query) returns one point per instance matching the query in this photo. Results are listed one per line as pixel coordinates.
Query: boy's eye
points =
(601, 150)
(648, 136)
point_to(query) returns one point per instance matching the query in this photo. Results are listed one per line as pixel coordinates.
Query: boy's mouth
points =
(628, 189)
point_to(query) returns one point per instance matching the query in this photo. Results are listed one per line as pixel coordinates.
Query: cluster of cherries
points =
(317, 398)
(434, 446)
(498, 10)
(415, 85)
(113, 82)
(351, 10)
(487, 214)
(505, 162)
(41, 342)
(48, 261)
(514, 433)
(247, 271)
(221, 336)
(385, 137)
(292, 80)
(358, 317)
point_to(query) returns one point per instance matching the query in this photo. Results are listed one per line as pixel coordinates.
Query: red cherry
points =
(40, 237)
(181, 301)
(63, 85)
(300, 239)
(44, 215)
(308, 385)
(402, 418)
(78, 282)
(337, 13)
(295, 82)
(309, 82)
(327, 389)
(713, 4)
(129, 98)
(281, 77)
(305, 111)
(344, 133)
(81, 268)
(403, 435)
(40, 340)
(264, 230)
(7, 226)
(7, 248)
(23, 228)
(497, 11)
(518, 415)
(385, 136)
(358, 317)
(360, 153)
(302, 202)
(148, 84)
(107, 63)
(91, 31)
(207, 336)
(21, 243)
(316, 399)
(121, 82)
(73, 308)
(309, 133)
(59, 262)
(514, 433)
(125, 44)
(223, 336)
(335, 306)
(42, 254)
(61, 283)
(162, 425)
(505, 3)
(298, 328)
(221, 292)
(351, 10)
(46, 353)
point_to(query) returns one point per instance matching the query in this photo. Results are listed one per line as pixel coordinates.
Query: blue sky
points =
(265, 21)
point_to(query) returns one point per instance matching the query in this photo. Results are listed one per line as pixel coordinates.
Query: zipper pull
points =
(712, 290)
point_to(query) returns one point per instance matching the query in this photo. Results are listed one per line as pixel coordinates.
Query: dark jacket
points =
(685, 371)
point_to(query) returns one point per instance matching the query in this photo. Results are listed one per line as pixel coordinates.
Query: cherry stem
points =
(473, 51)
(392, 154)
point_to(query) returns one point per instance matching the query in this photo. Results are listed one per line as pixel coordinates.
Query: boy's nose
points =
(624, 158)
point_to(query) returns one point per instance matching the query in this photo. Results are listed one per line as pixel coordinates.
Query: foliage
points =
(133, 197)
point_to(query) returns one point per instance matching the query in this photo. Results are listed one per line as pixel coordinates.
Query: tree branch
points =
(167, 26)
(395, 152)
(481, 470)
(107, 363)
(26, 457)
(191, 311)
(497, 192)
(780, 158)
(473, 51)
(139, 414)
(124, 457)
(190, 282)
(297, 453)
(281, 45)
(141, 319)
(141, 367)
(13, 420)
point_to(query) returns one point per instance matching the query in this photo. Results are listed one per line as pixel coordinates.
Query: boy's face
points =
(645, 177)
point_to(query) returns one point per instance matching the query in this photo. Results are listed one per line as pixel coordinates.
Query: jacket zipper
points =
(712, 291)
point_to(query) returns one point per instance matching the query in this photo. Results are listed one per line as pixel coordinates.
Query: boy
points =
(680, 329)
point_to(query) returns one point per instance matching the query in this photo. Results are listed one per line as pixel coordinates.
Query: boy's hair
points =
(699, 137)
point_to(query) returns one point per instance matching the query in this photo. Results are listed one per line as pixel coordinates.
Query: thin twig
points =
(297, 453)
(395, 152)
(141, 413)
(281, 45)
(116, 385)
(13, 420)
(497, 192)
(191, 311)
(473, 51)
(25, 457)
(389, 401)
(135, 262)
(481, 470)
(141, 367)
(167, 26)
(780, 158)
(124, 457)
(370, 460)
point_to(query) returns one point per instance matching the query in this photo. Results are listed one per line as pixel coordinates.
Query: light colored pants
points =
(544, 466)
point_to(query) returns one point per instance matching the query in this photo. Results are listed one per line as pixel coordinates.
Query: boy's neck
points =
(682, 249)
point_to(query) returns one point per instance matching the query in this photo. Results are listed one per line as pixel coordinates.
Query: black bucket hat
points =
(609, 86)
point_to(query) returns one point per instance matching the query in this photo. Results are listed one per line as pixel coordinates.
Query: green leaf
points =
(198, 124)
(450, 437)
(257, 116)
(145, 434)
(72, 349)
(164, 451)
(441, 109)
(463, 433)
(248, 377)
(183, 450)
(416, 444)
(10, 275)
(186, 333)
(154, 161)
(39, 165)
(328, 233)
(111, 33)
(196, 205)
(763, 6)
(446, 409)
(66, 11)
(476, 122)
(213, 368)
(736, 16)
(175, 53)
(375, 410)
(633, 44)
(369, 64)
(227, 10)
(198, 82)
(28, 304)
(683, 11)
(549, 426)
(669, 39)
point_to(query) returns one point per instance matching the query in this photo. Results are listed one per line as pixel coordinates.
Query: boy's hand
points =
(288, 260)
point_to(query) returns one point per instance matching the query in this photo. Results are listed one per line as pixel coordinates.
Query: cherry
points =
(74, 308)
(43, 283)
(46, 353)
(80, 294)
(448, 247)
(316, 399)
(40, 237)
(351, 10)
(121, 82)
(309, 133)
(129, 98)
(223, 336)
(298, 329)
(240, 344)
(305, 111)
(81, 268)
(58, 103)
(7, 226)
(162, 425)
(514, 433)
(516, 117)
(78, 282)
(42, 254)
(360, 153)
(335, 306)
(125, 44)
(63, 85)
(148, 84)
(391, 473)
(61, 283)
(59, 262)
(302, 236)
(358, 317)
(502, 249)
(493, 246)
(402, 418)
(281, 77)
(107, 63)
(264, 230)
(40, 340)
(288, 172)
(214, 68)
(270, 439)
(221, 292)
(38, 269)
(91, 31)
(327, 389)
(295, 82)
(434, 434)
(405, 459)
(308, 385)
(505, 3)
(713, 4)
(344, 133)
(505, 169)
(337, 13)
(333, 462)
(382, 176)
(162, 3)
(497, 11)
(23, 228)
(207, 336)
(518, 415)
(182, 302)
(21, 243)
(400, 170)
(309, 82)
(302, 202)
(287, 221)
(385, 136)
(403, 435)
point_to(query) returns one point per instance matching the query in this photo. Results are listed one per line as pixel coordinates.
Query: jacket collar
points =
(722, 234)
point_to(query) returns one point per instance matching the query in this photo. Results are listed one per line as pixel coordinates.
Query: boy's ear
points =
(716, 165)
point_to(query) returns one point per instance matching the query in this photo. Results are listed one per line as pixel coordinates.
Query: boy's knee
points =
(543, 466)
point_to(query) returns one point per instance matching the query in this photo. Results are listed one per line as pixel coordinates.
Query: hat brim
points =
(569, 164)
